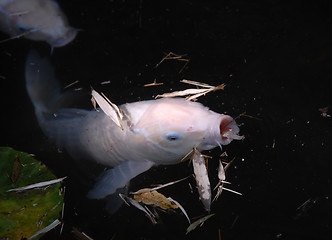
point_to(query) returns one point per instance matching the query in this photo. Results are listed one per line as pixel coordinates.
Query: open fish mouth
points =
(229, 130)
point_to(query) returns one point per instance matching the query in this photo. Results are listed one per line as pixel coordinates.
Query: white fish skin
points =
(155, 132)
(40, 20)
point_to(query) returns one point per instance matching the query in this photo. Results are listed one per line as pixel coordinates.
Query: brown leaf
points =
(16, 170)
(154, 198)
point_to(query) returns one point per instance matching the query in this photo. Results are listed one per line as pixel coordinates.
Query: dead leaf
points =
(109, 108)
(221, 172)
(200, 222)
(16, 170)
(138, 206)
(193, 93)
(202, 179)
(155, 198)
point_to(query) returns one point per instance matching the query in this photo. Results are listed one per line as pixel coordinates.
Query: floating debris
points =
(105, 82)
(221, 172)
(199, 222)
(173, 56)
(222, 180)
(136, 204)
(36, 185)
(181, 208)
(248, 116)
(81, 235)
(324, 111)
(230, 190)
(220, 188)
(202, 179)
(198, 84)
(154, 198)
(193, 93)
(158, 187)
(153, 84)
(221, 175)
(46, 229)
(149, 196)
(71, 84)
(109, 108)
(305, 207)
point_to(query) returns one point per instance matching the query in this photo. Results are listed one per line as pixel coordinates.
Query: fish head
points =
(176, 126)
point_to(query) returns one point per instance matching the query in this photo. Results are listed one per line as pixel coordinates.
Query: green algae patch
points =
(25, 212)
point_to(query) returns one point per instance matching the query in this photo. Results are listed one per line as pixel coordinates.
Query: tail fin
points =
(43, 88)
(60, 124)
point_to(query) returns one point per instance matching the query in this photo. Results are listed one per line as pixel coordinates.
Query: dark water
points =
(275, 58)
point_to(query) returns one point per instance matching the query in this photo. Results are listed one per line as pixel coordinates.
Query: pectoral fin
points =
(117, 177)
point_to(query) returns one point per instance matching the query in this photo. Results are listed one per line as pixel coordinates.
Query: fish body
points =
(39, 20)
(154, 132)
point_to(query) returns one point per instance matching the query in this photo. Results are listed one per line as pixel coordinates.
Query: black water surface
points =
(275, 58)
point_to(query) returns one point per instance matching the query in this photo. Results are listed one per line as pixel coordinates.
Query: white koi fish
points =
(155, 132)
(40, 20)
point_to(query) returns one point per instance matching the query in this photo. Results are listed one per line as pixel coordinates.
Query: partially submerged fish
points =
(154, 132)
(40, 20)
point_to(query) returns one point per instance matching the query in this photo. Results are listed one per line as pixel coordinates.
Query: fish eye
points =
(173, 136)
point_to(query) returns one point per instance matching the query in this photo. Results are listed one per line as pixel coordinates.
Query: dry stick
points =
(191, 151)
(153, 84)
(248, 116)
(71, 84)
(36, 185)
(159, 187)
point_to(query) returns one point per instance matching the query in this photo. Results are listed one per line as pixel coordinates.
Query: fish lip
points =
(223, 130)
(228, 130)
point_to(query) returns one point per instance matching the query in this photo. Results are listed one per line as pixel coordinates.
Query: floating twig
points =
(173, 56)
(153, 84)
(158, 187)
(37, 185)
(71, 84)
(193, 93)
(197, 223)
